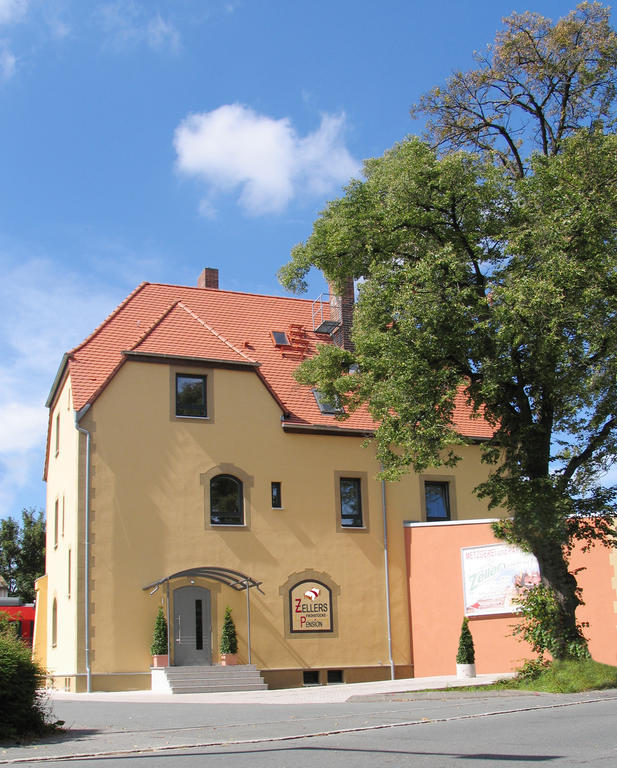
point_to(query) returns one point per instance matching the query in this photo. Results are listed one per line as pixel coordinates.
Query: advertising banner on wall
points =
(493, 577)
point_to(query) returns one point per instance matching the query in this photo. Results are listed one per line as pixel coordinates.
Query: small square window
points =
(437, 500)
(280, 338)
(310, 677)
(191, 395)
(277, 499)
(351, 502)
(335, 676)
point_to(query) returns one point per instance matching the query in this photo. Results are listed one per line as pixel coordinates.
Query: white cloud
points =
(234, 147)
(12, 10)
(22, 427)
(162, 34)
(59, 28)
(8, 63)
(19, 471)
(42, 317)
(126, 24)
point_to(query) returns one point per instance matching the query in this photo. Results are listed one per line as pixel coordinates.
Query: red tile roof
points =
(225, 327)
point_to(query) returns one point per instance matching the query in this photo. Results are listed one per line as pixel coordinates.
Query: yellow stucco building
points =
(187, 468)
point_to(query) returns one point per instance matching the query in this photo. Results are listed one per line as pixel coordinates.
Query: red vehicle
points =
(22, 614)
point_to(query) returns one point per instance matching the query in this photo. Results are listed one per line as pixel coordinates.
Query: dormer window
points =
(280, 338)
(327, 406)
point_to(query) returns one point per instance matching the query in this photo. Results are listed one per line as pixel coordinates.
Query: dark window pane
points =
(199, 634)
(351, 502)
(437, 501)
(190, 395)
(226, 507)
(280, 338)
(277, 501)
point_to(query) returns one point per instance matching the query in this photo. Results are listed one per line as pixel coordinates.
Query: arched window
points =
(226, 501)
(54, 623)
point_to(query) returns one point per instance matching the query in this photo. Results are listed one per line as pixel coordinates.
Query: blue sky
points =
(147, 139)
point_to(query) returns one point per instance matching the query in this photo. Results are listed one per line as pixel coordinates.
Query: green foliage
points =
(491, 278)
(571, 676)
(159, 645)
(22, 552)
(541, 625)
(21, 710)
(532, 669)
(229, 638)
(466, 652)
(535, 86)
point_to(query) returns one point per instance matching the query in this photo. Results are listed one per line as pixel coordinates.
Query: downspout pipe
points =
(387, 572)
(78, 416)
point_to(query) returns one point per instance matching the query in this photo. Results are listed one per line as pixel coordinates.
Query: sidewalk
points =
(318, 694)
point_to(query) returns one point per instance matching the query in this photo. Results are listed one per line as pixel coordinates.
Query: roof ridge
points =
(155, 324)
(215, 333)
(112, 314)
(234, 293)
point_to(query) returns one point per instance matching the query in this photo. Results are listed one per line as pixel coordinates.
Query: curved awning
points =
(234, 579)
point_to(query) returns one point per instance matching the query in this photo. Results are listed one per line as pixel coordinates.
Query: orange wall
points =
(434, 571)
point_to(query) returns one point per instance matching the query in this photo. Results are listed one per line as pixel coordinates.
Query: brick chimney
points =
(341, 307)
(209, 278)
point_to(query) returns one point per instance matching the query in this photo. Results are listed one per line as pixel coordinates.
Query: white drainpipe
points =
(78, 417)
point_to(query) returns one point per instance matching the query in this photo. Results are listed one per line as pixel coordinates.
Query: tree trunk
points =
(566, 635)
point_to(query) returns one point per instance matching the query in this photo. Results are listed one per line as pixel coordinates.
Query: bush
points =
(21, 710)
(159, 645)
(466, 652)
(532, 669)
(229, 639)
(540, 625)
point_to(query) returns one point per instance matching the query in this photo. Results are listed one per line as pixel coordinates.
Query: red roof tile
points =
(223, 326)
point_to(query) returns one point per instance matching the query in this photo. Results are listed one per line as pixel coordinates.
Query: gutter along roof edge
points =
(329, 429)
(165, 357)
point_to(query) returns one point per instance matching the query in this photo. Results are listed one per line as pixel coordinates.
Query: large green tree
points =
(498, 279)
(22, 552)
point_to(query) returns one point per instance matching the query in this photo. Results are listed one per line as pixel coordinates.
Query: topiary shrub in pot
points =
(229, 640)
(159, 648)
(466, 656)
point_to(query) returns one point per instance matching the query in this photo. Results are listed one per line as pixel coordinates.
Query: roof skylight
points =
(326, 406)
(280, 338)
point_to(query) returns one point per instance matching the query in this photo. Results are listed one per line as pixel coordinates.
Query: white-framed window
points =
(226, 500)
(437, 500)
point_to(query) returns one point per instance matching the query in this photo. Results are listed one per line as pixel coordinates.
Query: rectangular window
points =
(68, 586)
(191, 395)
(351, 502)
(437, 500)
(277, 499)
(57, 434)
(199, 626)
(62, 526)
(56, 524)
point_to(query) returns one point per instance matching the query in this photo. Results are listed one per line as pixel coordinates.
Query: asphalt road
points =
(391, 730)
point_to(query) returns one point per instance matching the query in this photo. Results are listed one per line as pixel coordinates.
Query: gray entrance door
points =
(192, 626)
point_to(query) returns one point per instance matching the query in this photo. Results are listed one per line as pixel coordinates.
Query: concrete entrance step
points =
(207, 679)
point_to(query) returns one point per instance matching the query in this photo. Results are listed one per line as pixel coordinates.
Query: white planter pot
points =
(464, 671)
